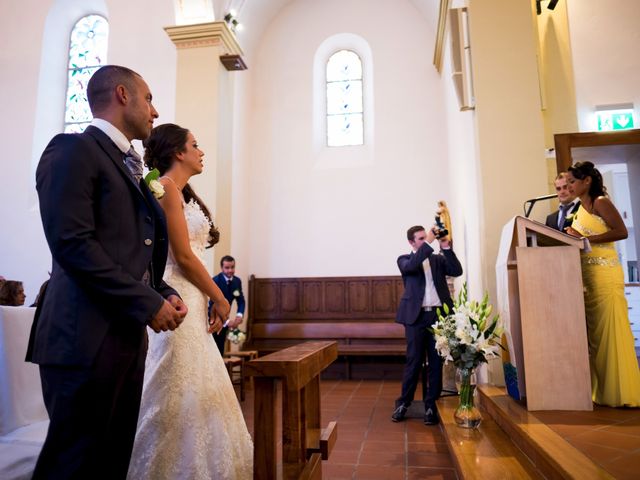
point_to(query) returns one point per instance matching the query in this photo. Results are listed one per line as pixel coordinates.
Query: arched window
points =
(87, 53)
(344, 99)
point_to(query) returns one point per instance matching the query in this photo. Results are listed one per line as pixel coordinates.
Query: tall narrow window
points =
(87, 53)
(344, 99)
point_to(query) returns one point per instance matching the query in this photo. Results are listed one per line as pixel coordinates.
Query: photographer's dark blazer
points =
(104, 231)
(442, 264)
(552, 219)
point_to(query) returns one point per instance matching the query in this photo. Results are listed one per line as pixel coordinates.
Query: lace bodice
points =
(198, 226)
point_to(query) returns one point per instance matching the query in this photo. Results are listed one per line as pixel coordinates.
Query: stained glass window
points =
(87, 53)
(344, 99)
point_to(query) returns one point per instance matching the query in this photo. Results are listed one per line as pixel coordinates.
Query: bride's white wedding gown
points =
(190, 425)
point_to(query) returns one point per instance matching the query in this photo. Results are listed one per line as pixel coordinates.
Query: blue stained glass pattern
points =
(87, 52)
(344, 130)
(344, 65)
(345, 116)
(344, 97)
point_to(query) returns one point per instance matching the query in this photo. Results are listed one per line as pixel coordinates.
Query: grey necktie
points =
(133, 161)
(562, 216)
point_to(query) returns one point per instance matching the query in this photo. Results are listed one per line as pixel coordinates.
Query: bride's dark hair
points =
(160, 149)
(581, 170)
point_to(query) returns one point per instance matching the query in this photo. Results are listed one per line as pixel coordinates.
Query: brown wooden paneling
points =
(359, 296)
(290, 297)
(335, 299)
(312, 299)
(383, 298)
(267, 299)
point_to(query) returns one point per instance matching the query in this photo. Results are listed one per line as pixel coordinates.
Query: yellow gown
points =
(615, 376)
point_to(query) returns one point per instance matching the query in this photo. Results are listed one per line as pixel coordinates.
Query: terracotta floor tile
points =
(392, 459)
(370, 472)
(344, 456)
(337, 472)
(418, 459)
(599, 453)
(626, 443)
(625, 468)
(382, 446)
(424, 447)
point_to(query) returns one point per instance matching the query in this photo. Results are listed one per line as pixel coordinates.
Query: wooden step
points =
(484, 453)
(551, 454)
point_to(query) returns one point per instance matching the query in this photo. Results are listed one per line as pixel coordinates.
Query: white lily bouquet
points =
(468, 336)
(236, 336)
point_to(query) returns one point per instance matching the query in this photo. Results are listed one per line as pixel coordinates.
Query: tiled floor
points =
(609, 436)
(372, 447)
(369, 445)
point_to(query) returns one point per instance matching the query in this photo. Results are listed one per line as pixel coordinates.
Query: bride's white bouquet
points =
(236, 336)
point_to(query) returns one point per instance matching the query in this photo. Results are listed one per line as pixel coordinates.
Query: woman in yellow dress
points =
(615, 376)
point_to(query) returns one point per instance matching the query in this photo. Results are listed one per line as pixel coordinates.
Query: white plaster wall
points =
(604, 41)
(35, 36)
(305, 220)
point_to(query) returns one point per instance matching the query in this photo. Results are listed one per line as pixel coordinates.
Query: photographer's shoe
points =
(399, 413)
(431, 417)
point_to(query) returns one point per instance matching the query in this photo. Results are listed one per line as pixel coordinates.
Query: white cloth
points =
(21, 400)
(190, 426)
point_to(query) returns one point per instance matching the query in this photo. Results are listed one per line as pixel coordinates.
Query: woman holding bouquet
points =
(190, 424)
(615, 377)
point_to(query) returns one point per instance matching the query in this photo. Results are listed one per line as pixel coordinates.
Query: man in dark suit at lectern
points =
(568, 204)
(425, 289)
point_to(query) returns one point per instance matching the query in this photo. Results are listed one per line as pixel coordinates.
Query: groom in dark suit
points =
(568, 204)
(425, 289)
(108, 240)
(231, 287)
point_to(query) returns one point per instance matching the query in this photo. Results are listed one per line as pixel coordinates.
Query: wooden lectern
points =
(542, 305)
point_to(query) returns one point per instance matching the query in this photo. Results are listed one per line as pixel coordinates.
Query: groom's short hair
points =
(104, 80)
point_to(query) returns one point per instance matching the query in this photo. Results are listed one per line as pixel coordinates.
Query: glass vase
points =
(466, 415)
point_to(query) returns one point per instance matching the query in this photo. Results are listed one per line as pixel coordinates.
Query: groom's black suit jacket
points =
(89, 332)
(103, 231)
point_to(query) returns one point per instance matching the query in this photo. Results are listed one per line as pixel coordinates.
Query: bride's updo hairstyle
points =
(582, 170)
(160, 149)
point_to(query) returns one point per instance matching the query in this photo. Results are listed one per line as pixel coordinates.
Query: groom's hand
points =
(177, 303)
(167, 318)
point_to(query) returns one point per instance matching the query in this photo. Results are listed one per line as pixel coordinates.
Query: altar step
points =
(511, 443)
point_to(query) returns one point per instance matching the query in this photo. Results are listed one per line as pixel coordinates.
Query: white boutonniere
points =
(154, 185)
(236, 293)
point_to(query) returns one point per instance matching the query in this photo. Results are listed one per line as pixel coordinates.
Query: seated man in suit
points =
(231, 287)
(568, 204)
(424, 275)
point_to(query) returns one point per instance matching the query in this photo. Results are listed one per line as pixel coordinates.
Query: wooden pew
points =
(356, 312)
(304, 442)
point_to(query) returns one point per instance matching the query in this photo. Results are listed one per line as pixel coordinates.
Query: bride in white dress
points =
(190, 425)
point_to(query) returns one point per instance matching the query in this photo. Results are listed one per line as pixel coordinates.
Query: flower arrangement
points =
(468, 336)
(236, 336)
(151, 179)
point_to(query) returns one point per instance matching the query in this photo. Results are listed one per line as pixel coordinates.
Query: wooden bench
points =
(356, 312)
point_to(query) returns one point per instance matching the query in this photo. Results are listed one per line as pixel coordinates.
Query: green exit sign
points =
(615, 120)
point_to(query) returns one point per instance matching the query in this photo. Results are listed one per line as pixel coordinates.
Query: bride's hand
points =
(572, 232)
(221, 308)
(215, 323)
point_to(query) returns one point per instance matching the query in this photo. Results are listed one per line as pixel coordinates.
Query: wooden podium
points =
(542, 305)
